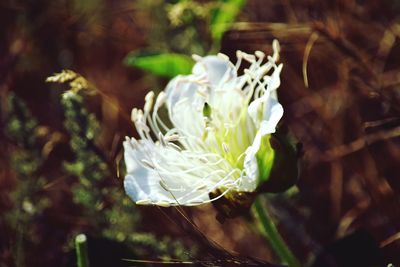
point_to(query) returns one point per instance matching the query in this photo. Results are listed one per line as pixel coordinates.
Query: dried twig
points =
(356, 145)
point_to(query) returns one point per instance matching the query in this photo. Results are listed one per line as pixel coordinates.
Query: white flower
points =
(214, 133)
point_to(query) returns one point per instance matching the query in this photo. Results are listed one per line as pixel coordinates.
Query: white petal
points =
(130, 145)
(254, 109)
(215, 69)
(188, 119)
(273, 112)
(142, 184)
(250, 161)
(275, 80)
(185, 104)
(180, 88)
(175, 182)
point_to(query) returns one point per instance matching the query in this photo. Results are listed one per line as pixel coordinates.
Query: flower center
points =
(228, 138)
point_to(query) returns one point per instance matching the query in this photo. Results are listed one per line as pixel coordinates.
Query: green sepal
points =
(285, 167)
(265, 159)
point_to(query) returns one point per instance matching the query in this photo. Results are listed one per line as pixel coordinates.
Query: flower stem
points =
(271, 233)
(82, 256)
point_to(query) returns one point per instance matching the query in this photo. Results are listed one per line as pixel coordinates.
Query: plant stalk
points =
(271, 233)
(82, 257)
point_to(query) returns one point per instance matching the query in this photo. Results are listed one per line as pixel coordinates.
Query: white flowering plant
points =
(215, 141)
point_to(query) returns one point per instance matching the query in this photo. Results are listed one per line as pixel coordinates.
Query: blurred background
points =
(61, 166)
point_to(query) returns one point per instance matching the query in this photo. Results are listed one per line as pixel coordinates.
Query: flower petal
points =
(142, 184)
(250, 161)
(180, 88)
(165, 176)
(275, 80)
(273, 112)
(185, 104)
(216, 70)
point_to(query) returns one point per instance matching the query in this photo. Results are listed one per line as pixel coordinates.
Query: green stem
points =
(82, 256)
(271, 232)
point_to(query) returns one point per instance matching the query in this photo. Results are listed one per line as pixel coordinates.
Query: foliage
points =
(189, 28)
(224, 16)
(108, 211)
(107, 207)
(164, 249)
(27, 160)
(168, 64)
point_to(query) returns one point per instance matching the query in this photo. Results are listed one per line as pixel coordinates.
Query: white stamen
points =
(149, 102)
(147, 164)
(163, 204)
(134, 114)
(276, 48)
(226, 148)
(259, 54)
(203, 160)
(143, 202)
(162, 140)
(160, 99)
(171, 138)
(133, 142)
(223, 56)
(248, 73)
(176, 147)
(239, 54)
(196, 57)
(249, 58)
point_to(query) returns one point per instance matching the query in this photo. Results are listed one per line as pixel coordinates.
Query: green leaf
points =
(167, 65)
(224, 17)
